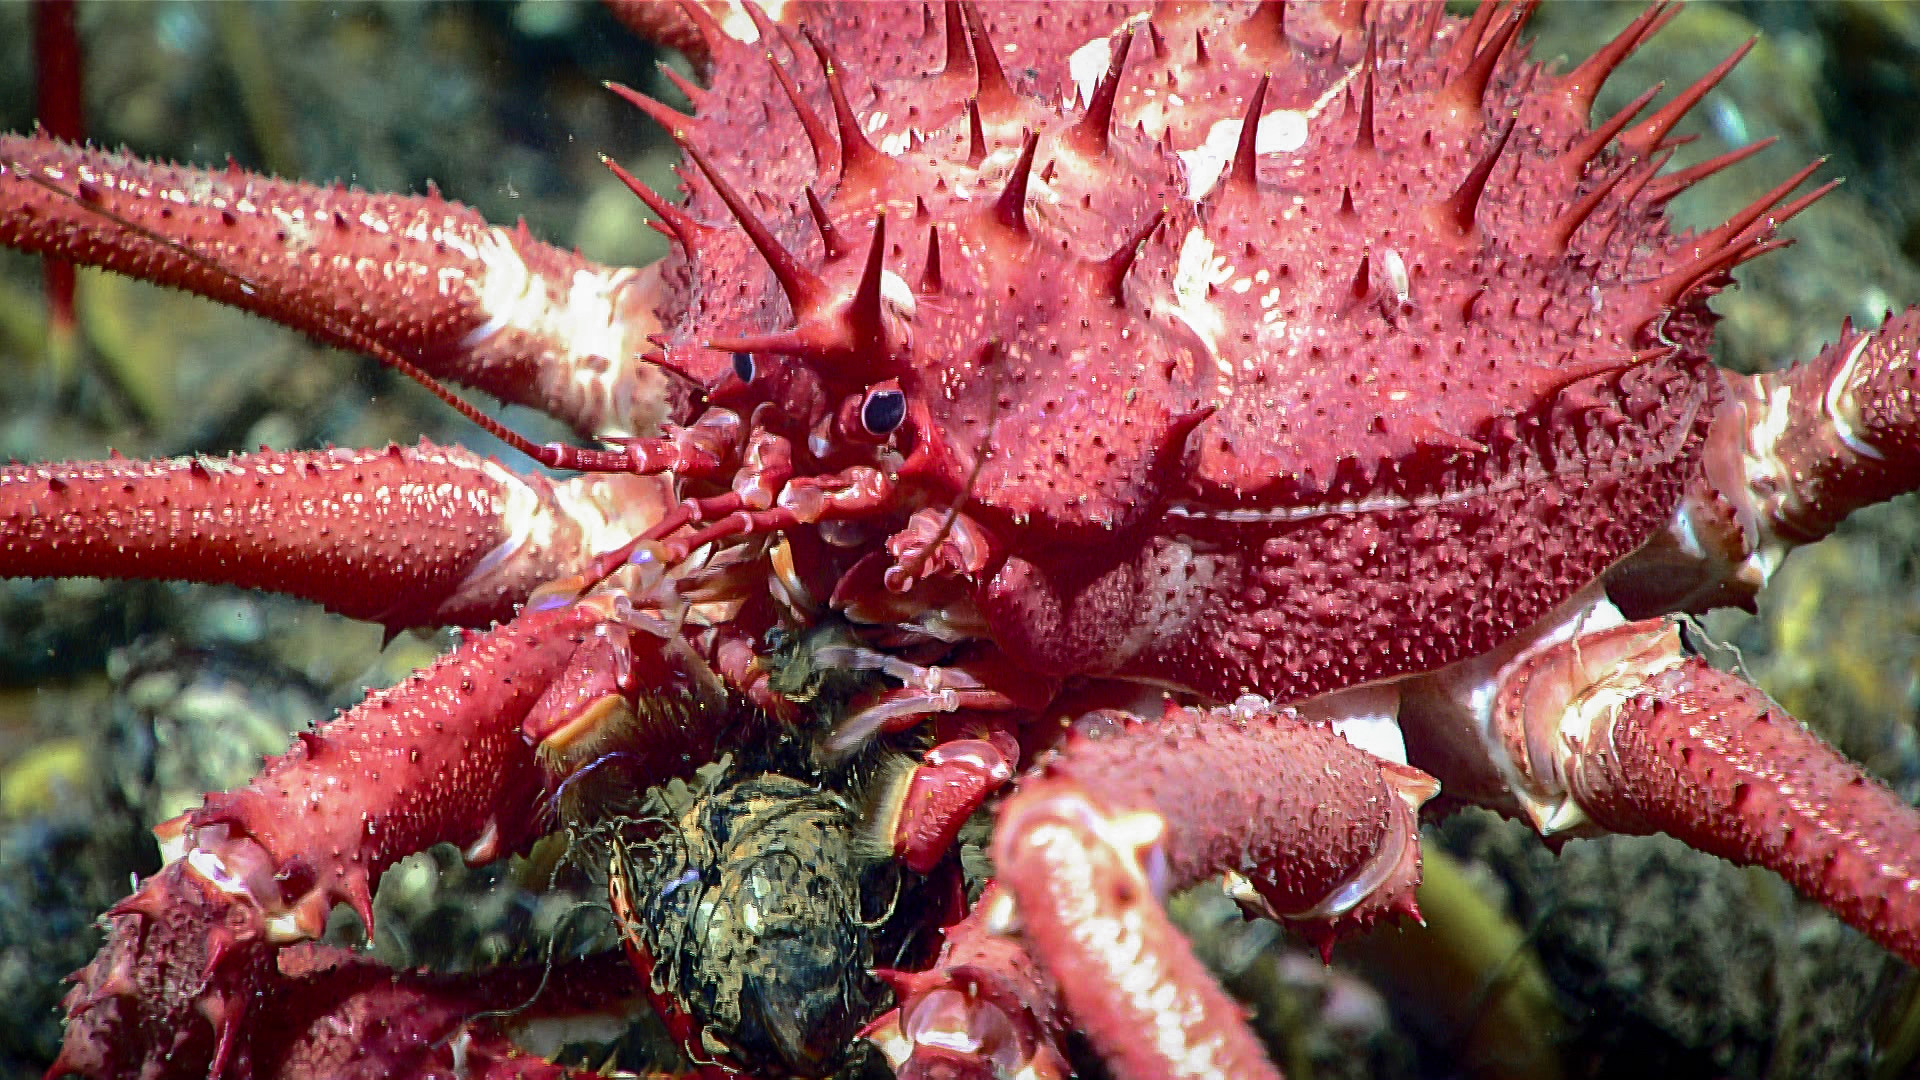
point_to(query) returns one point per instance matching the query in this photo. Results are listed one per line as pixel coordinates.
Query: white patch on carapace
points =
(1281, 131)
(1085, 66)
(1199, 268)
(583, 319)
(1396, 269)
(739, 25)
(895, 290)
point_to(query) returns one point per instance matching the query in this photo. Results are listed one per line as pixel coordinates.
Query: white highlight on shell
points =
(895, 290)
(1396, 269)
(1199, 267)
(1281, 131)
(1085, 66)
(584, 318)
(739, 26)
(1366, 716)
(1841, 407)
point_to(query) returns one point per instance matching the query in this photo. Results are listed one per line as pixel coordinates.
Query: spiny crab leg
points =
(430, 279)
(1307, 827)
(340, 1016)
(1624, 730)
(1790, 454)
(406, 536)
(984, 1001)
(440, 758)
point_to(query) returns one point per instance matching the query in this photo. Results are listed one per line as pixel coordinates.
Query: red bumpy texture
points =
(405, 537)
(1307, 347)
(439, 758)
(427, 278)
(1278, 406)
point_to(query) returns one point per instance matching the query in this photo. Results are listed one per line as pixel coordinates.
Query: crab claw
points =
(185, 960)
(984, 1011)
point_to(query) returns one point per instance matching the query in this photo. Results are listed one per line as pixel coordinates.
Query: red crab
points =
(1187, 460)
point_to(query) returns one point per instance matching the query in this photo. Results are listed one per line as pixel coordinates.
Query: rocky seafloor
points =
(120, 702)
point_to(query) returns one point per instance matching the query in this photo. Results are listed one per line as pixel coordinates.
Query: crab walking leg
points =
(1624, 731)
(1791, 453)
(406, 536)
(348, 1018)
(1307, 826)
(340, 1016)
(438, 758)
(430, 279)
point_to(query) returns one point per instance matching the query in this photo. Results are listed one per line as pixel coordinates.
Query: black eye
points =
(743, 366)
(883, 411)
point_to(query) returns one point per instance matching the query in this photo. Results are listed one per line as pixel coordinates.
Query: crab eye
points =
(743, 366)
(883, 411)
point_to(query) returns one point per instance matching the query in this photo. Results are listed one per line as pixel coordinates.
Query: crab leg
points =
(1323, 832)
(1791, 453)
(1623, 730)
(984, 999)
(190, 957)
(430, 279)
(406, 536)
(343, 1017)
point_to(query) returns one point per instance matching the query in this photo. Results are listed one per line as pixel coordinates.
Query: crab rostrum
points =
(1241, 422)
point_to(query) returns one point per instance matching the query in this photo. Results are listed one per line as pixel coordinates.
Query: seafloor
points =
(121, 702)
